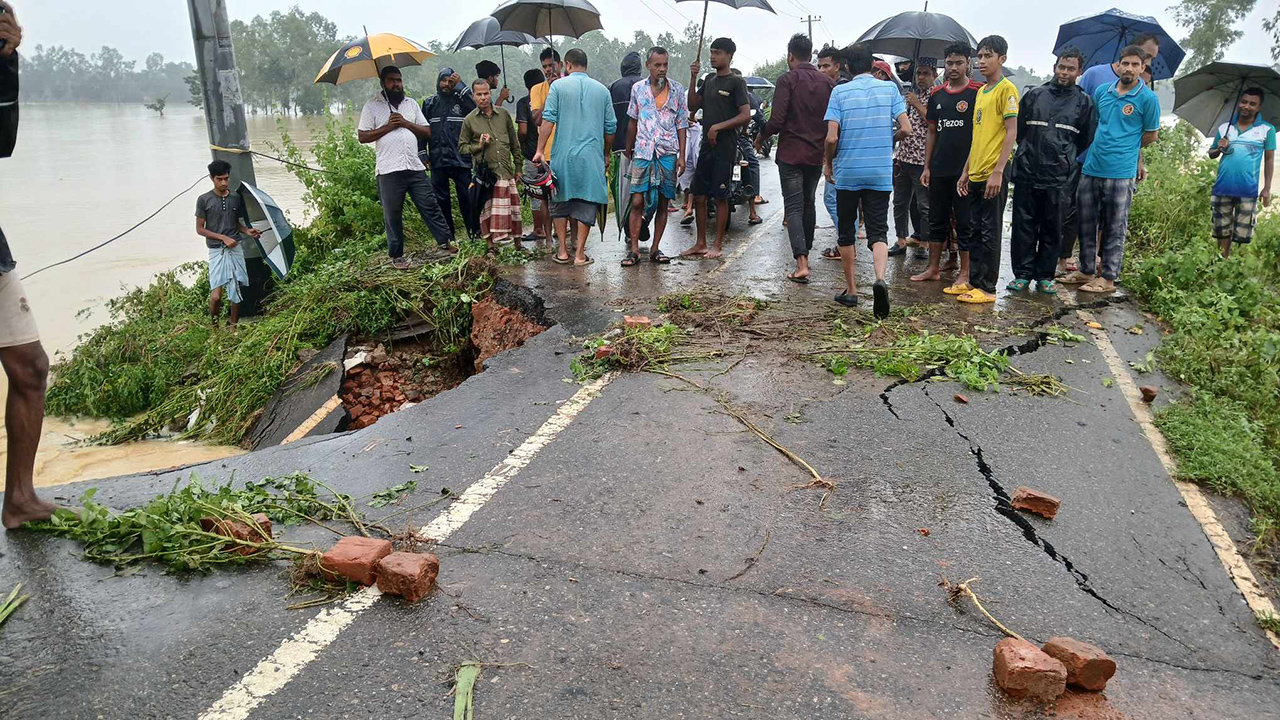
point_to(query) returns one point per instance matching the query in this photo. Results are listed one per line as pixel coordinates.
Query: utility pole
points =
(811, 20)
(224, 114)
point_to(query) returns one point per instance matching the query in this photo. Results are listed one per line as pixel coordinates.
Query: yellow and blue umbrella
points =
(366, 56)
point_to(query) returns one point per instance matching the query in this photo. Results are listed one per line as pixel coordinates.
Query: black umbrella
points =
(544, 18)
(1207, 97)
(915, 35)
(735, 4)
(488, 32)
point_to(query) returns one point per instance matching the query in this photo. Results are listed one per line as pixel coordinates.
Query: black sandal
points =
(630, 260)
(831, 254)
(658, 257)
(802, 279)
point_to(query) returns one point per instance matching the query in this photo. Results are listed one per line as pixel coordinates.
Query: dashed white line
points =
(277, 669)
(1223, 545)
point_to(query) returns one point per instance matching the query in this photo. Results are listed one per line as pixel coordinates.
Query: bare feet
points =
(926, 275)
(18, 511)
(713, 253)
(695, 251)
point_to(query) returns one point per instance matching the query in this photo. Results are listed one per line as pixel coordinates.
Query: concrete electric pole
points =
(811, 20)
(224, 114)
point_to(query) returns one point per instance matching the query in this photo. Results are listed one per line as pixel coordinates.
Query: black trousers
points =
(461, 178)
(1070, 231)
(986, 237)
(392, 188)
(943, 202)
(910, 199)
(1037, 230)
(799, 189)
(874, 208)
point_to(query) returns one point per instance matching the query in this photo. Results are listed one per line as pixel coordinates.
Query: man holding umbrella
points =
(445, 112)
(1241, 145)
(394, 124)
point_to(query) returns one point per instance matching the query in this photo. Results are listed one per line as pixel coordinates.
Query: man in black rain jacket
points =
(1055, 125)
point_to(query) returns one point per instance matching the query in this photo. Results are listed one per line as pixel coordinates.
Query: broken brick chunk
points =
(355, 558)
(1148, 393)
(1088, 667)
(1024, 498)
(409, 575)
(1024, 670)
(239, 531)
(636, 321)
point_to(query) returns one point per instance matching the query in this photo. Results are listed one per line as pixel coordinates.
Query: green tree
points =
(1272, 26)
(194, 90)
(158, 105)
(1211, 26)
(771, 70)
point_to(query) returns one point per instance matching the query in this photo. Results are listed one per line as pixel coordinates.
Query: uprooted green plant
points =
(178, 527)
(633, 349)
(910, 357)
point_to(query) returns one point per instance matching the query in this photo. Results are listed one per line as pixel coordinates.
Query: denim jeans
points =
(799, 188)
(392, 188)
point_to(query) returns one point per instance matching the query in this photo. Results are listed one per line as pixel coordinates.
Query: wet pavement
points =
(657, 560)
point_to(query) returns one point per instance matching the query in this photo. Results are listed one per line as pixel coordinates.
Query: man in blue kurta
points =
(580, 112)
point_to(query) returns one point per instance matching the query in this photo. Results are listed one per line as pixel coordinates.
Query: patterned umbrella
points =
(365, 57)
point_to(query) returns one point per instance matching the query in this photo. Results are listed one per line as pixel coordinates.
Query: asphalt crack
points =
(782, 594)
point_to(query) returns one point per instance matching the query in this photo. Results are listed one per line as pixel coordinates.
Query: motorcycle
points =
(758, 121)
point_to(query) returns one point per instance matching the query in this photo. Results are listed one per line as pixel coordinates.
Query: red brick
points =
(355, 558)
(636, 321)
(1088, 667)
(409, 575)
(1024, 498)
(1024, 670)
(239, 531)
(605, 351)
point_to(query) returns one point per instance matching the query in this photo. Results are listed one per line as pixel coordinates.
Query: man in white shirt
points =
(394, 123)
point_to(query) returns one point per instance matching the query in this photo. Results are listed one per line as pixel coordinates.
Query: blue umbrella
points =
(1101, 37)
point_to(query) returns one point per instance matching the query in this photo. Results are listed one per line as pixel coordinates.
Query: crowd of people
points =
(938, 155)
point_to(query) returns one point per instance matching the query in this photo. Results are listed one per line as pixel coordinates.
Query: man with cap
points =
(488, 71)
(445, 112)
(391, 121)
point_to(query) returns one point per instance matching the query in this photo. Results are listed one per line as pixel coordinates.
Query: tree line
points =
(279, 55)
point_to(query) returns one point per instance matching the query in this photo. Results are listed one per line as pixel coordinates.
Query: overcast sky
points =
(139, 27)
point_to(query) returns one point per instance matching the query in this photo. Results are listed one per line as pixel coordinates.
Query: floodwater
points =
(83, 173)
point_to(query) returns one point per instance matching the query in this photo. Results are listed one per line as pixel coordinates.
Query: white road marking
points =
(277, 669)
(1222, 543)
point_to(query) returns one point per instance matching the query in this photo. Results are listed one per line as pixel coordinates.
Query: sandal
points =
(831, 253)
(958, 289)
(1048, 287)
(847, 300)
(1097, 285)
(755, 221)
(584, 263)
(1075, 277)
(658, 257)
(561, 261)
(897, 249)
(631, 260)
(802, 279)
(1018, 285)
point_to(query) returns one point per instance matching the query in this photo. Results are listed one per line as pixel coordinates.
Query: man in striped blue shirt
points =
(865, 117)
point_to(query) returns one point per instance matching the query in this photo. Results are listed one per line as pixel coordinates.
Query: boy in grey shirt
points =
(221, 219)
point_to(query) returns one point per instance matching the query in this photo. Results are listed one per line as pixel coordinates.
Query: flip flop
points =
(1018, 285)
(761, 201)
(847, 300)
(631, 260)
(755, 221)
(803, 280)
(584, 263)
(561, 261)
(831, 254)
(657, 256)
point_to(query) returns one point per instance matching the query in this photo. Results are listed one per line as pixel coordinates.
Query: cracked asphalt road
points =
(657, 560)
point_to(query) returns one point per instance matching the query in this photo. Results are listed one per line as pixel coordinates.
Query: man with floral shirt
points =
(908, 160)
(656, 147)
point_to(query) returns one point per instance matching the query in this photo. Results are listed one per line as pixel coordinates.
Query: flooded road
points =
(83, 173)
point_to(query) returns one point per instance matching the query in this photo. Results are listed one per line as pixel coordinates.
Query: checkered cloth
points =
(1234, 218)
(1103, 204)
(500, 218)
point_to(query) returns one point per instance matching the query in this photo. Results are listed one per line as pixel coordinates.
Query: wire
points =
(660, 16)
(126, 232)
(289, 162)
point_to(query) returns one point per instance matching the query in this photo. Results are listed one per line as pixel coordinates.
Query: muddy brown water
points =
(80, 174)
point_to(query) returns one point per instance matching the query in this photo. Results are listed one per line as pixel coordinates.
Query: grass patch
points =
(1223, 322)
